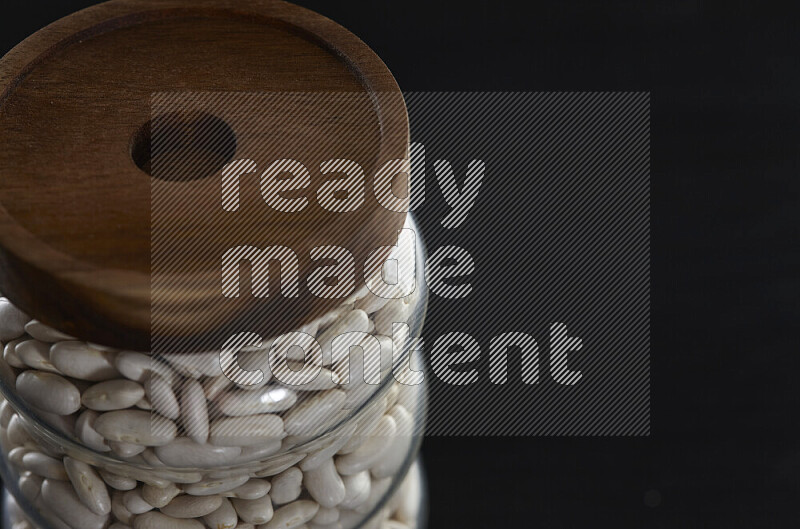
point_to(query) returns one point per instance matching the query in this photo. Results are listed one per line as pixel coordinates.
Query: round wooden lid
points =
(115, 125)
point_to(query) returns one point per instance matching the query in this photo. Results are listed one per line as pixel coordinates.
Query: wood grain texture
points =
(75, 209)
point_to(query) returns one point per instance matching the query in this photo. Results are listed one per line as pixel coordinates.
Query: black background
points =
(724, 80)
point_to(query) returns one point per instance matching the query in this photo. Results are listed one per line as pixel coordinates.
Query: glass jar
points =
(94, 437)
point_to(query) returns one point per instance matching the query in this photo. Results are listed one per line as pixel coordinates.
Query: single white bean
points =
(246, 431)
(118, 509)
(311, 415)
(324, 484)
(126, 450)
(278, 464)
(110, 395)
(44, 465)
(286, 486)
(373, 448)
(326, 516)
(195, 411)
(357, 489)
(135, 503)
(135, 426)
(260, 451)
(162, 398)
(60, 498)
(12, 321)
(158, 497)
(16, 454)
(218, 486)
(42, 332)
(336, 442)
(17, 432)
(224, 517)
(258, 511)
(396, 311)
(6, 412)
(79, 360)
(185, 453)
(252, 490)
(134, 366)
(35, 354)
(293, 515)
(394, 457)
(30, 485)
(116, 481)
(192, 506)
(270, 399)
(84, 429)
(378, 489)
(10, 354)
(88, 486)
(195, 365)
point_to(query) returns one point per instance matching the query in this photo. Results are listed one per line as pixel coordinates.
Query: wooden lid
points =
(83, 226)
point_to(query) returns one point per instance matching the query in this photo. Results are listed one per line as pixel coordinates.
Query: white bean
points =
(118, 509)
(112, 395)
(224, 517)
(310, 416)
(126, 450)
(10, 354)
(30, 485)
(35, 354)
(116, 481)
(252, 490)
(195, 411)
(44, 465)
(42, 332)
(84, 429)
(195, 365)
(134, 426)
(135, 503)
(211, 487)
(293, 515)
(256, 511)
(263, 400)
(185, 453)
(368, 453)
(12, 321)
(79, 360)
(134, 366)
(394, 457)
(162, 398)
(159, 496)
(61, 499)
(286, 486)
(336, 442)
(88, 486)
(192, 506)
(17, 432)
(357, 489)
(15, 455)
(246, 431)
(326, 516)
(324, 484)
(6, 412)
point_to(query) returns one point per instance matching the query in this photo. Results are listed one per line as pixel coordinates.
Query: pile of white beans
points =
(222, 456)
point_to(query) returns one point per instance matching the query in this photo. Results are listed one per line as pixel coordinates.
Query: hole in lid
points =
(183, 146)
